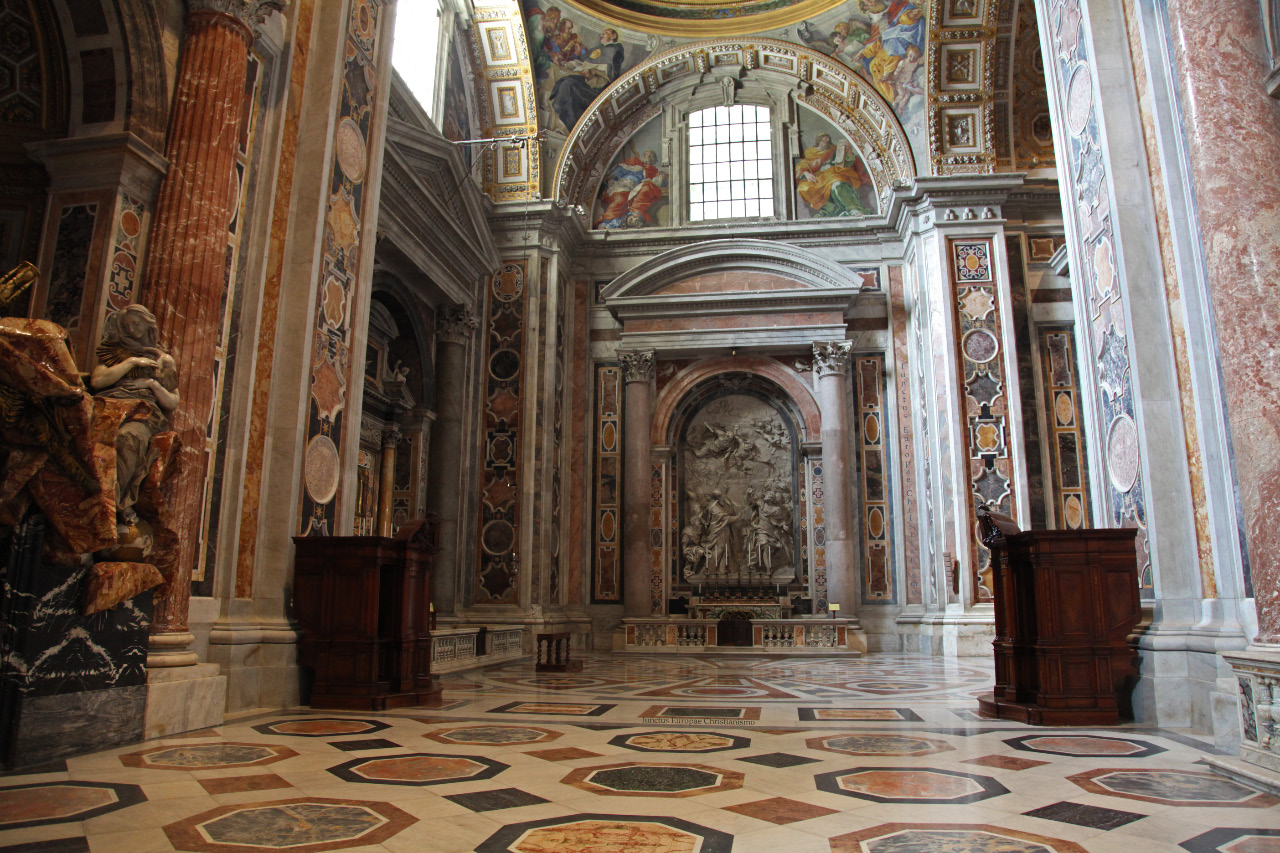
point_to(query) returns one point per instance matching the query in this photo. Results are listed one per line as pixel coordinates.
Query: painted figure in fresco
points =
(875, 40)
(828, 177)
(632, 190)
(903, 79)
(132, 366)
(566, 45)
(542, 27)
(583, 76)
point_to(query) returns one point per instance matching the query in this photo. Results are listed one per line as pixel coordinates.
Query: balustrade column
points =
(831, 360)
(185, 272)
(637, 370)
(455, 327)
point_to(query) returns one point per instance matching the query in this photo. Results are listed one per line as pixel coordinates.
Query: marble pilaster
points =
(638, 372)
(831, 362)
(455, 328)
(185, 271)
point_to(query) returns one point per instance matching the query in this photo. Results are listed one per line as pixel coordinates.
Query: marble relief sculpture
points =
(739, 501)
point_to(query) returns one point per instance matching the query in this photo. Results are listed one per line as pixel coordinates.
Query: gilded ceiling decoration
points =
(704, 18)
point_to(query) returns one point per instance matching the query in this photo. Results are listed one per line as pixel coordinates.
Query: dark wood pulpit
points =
(363, 605)
(1066, 602)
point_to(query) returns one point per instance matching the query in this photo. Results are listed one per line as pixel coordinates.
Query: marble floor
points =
(660, 754)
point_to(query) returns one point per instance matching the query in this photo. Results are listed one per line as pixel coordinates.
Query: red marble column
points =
(1233, 137)
(186, 264)
(637, 369)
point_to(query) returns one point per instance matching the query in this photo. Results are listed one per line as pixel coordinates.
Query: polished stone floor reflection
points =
(659, 754)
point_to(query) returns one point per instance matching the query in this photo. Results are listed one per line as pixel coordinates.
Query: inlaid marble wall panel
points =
(660, 499)
(1028, 404)
(129, 242)
(879, 580)
(1068, 466)
(502, 433)
(1096, 276)
(981, 359)
(338, 286)
(606, 527)
(907, 454)
(817, 541)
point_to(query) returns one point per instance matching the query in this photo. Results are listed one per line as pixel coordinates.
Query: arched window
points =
(730, 163)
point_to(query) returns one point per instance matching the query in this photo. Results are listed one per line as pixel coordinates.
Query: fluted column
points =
(454, 329)
(387, 478)
(831, 360)
(637, 448)
(186, 264)
(1233, 144)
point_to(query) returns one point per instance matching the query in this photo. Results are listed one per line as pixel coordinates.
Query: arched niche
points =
(737, 483)
(694, 76)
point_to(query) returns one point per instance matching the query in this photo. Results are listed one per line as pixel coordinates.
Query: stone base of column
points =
(960, 635)
(171, 649)
(184, 699)
(1257, 671)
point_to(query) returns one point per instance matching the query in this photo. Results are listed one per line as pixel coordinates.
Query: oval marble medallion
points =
(980, 346)
(321, 469)
(1122, 453)
(1079, 99)
(350, 150)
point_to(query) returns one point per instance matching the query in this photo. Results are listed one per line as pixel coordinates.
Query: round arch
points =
(819, 82)
(668, 402)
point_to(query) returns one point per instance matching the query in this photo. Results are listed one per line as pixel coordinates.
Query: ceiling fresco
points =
(703, 18)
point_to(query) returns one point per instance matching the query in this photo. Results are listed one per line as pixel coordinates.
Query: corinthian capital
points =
(832, 357)
(637, 365)
(251, 13)
(455, 324)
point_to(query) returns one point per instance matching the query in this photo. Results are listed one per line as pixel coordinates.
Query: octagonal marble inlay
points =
(672, 741)
(323, 727)
(418, 769)
(207, 756)
(910, 785)
(948, 838)
(504, 735)
(44, 803)
(1085, 746)
(603, 833)
(303, 825)
(1172, 787)
(879, 743)
(632, 779)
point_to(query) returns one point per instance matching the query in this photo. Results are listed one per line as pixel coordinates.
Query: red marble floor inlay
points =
(321, 727)
(1005, 762)
(566, 753)
(241, 784)
(19, 805)
(1079, 745)
(780, 810)
(419, 768)
(910, 784)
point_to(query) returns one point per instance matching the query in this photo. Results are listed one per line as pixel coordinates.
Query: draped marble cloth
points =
(61, 456)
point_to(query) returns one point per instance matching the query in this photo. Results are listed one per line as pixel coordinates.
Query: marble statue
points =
(133, 367)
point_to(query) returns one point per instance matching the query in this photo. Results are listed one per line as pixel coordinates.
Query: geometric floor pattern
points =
(674, 754)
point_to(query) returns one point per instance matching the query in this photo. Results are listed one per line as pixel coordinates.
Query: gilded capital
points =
(251, 13)
(637, 365)
(832, 357)
(455, 324)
